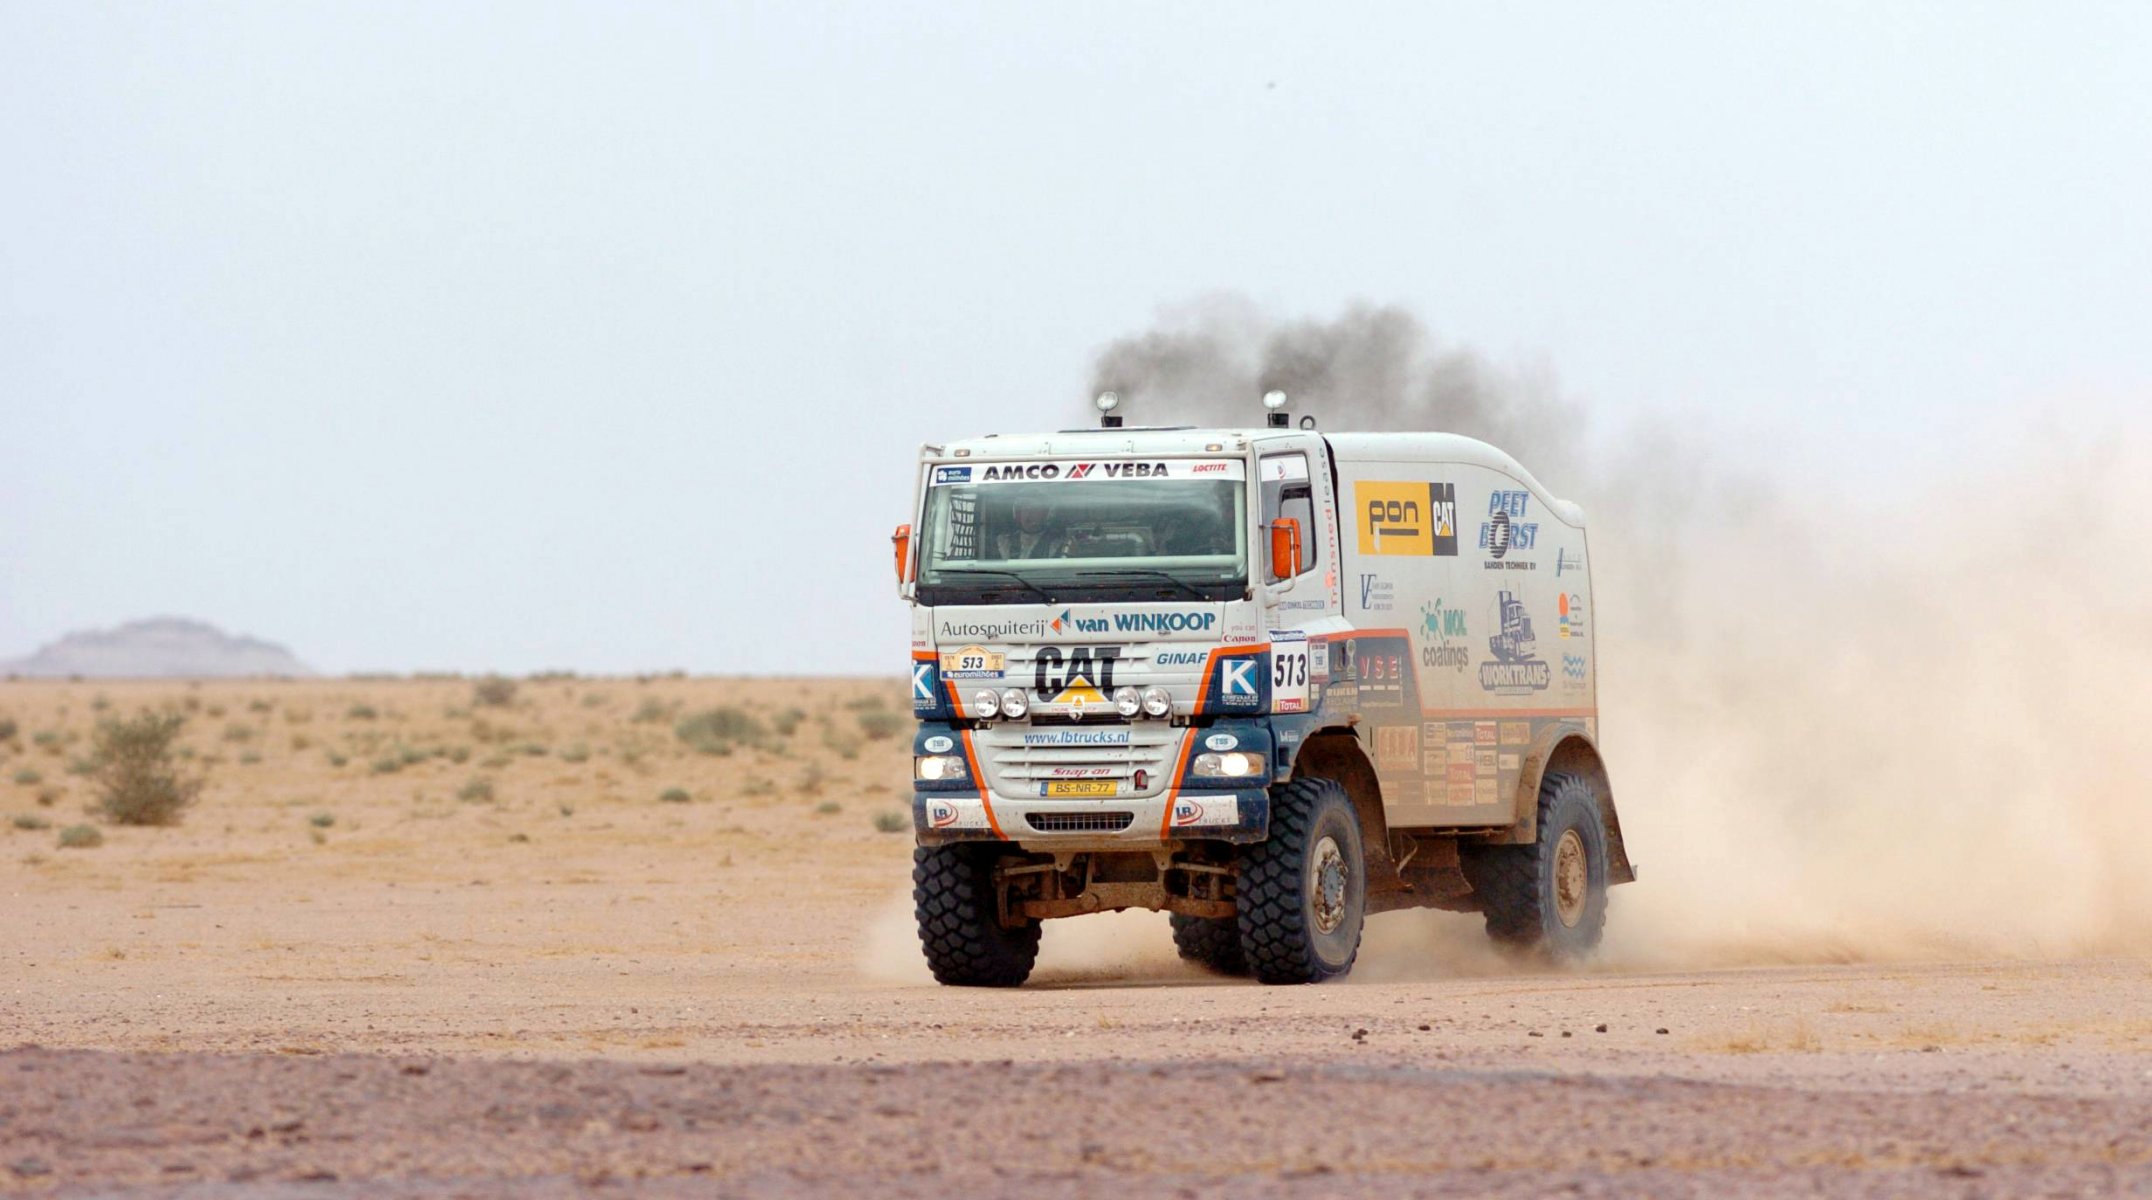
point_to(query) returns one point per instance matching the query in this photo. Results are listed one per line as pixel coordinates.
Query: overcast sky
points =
(513, 336)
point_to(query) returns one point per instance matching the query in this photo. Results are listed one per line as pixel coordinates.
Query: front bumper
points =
(1001, 795)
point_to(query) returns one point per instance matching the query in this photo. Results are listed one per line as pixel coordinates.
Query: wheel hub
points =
(1572, 879)
(1327, 881)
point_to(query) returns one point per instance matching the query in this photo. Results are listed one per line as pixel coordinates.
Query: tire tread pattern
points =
(1514, 883)
(1275, 935)
(1212, 942)
(952, 896)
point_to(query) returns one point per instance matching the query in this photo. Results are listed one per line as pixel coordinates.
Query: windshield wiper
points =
(1035, 589)
(1150, 573)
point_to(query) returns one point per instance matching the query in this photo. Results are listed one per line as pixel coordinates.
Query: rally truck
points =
(1268, 680)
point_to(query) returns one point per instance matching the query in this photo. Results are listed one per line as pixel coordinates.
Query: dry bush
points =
(721, 730)
(81, 837)
(493, 691)
(8, 729)
(879, 723)
(136, 767)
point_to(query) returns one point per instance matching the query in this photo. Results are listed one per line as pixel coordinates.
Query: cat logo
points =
(1407, 518)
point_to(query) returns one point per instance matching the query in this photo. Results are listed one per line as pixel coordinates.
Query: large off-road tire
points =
(1548, 900)
(1303, 890)
(953, 897)
(1212, 942)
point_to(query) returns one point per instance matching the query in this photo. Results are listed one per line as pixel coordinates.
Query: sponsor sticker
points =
(1075, 737)
(1566, 561)
(1507, 762)
(1483, 763)
(1571, 614)
(1210, 810)
(1238, 678)
(1516, 733)
(1517, 668)
(955, 814)
(1460, 773)
(1079, 772)
(1443, 637)
(1435, 759)
(1506, 530)
(1282, 468)
(1485, 791)
(1288, 671)
(943, 475)
(1415, 518)
(939, 744)
(1220, 741)
(1377, 594)
(923, 685)
(972, 662)
(1483, 733)
(1397, 747)
(1063, 471)
(1460, 794)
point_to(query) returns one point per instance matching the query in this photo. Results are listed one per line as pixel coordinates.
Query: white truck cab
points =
(1267, 680)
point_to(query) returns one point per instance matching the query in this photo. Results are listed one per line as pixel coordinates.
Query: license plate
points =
(1083, 787)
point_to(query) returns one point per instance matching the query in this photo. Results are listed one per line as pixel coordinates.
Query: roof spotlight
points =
(1274, 401)
(1107, 402)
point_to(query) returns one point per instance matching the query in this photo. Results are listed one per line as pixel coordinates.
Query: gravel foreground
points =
(79, 1123)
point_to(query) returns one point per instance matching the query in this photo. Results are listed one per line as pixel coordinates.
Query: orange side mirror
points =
(1284, 548)
(902, 540)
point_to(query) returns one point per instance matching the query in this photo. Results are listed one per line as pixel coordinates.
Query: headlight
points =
(1233, 764)
(1014, 704)
(1157, 702)
(986, 705)
(938, 766)
(1128, 702)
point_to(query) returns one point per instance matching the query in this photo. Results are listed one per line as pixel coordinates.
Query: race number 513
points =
(1288, 671)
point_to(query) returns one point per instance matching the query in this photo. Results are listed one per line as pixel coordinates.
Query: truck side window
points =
(1287, 492)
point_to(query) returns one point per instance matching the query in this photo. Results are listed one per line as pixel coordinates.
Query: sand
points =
(346, 980)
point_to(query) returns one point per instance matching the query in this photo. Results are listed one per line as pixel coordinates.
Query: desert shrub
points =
(494, 691)
(846, 745)
(28, 777)
(361, 712)
(8, 729)
(238, 732)
(479, 790)
(81, 837)
(47, 797)
(828, 808)
(322, 820)
(136, 768)
(387, 764)
(259, 705)
(653, 711)
(890, 820)
(533, 749)
(31, 821)
(250, 758)
(879, 723)
(578, 752)
(99, 703)
(86, 764)
(49, 740)
(673, 795)
(787, 721)
(813, 778)
(337, 760)
(459, 754)
(720, 730)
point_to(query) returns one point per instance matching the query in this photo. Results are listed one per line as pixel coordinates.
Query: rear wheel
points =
(959, 926)
(1212, 942)
(1548, 899)
(1303, 890)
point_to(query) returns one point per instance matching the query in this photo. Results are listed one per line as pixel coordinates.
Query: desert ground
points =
(427, 938)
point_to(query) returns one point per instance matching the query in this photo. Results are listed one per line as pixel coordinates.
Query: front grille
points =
(1090, 822)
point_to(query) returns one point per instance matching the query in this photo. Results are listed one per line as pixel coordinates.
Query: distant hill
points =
(159, 648)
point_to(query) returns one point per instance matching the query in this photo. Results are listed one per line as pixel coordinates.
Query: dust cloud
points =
(1839, 728)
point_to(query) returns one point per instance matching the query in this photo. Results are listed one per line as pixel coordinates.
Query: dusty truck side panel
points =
(1470, 669)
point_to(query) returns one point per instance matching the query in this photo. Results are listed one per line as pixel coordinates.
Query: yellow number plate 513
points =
(1084, 787)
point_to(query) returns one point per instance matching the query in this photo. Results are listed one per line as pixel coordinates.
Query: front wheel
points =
(1212, 942)
(1303, 890)
(959, 923)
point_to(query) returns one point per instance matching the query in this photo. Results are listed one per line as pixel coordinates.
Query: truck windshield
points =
(1030, 533)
